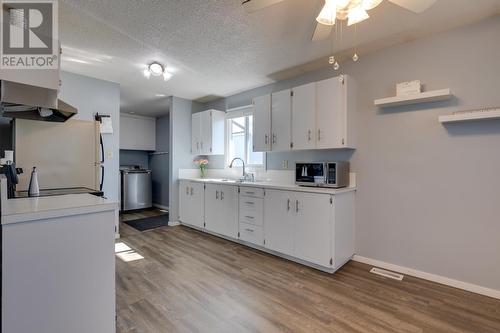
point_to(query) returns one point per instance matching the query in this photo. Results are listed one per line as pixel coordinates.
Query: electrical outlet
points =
(285, 164)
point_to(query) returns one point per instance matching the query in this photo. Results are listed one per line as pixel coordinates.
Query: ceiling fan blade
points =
(416, 6)
(321, 32)
(255, 5)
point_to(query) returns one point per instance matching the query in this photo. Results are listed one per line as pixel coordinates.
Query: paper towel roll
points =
(9, 155)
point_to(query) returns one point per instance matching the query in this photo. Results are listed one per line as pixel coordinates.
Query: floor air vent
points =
(387, 274)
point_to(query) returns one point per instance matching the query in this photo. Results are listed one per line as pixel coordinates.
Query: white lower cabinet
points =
(221, 209)
(278, 217)
(192, 203)
(312, 228)
(315, 228)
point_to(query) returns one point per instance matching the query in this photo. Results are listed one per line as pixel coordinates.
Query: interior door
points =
(206, 132)
(196, 133)
(304, 117)
(262, 123)
(281, 104)
(278, 221)
(312, 227)
(329, 106)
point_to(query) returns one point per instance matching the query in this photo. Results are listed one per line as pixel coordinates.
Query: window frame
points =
(243, 111)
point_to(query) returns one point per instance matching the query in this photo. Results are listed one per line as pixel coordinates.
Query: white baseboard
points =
(173, 223)
(430, 277)
(160, 206)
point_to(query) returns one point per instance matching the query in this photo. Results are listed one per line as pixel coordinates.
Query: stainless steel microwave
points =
(322, 174)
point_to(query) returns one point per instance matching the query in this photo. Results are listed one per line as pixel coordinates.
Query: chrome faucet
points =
(245, 176)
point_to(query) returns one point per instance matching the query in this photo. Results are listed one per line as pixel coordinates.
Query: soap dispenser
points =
(34, 190)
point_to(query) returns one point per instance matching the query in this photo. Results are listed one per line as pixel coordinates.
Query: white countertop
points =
(32, 209)
(272, 185)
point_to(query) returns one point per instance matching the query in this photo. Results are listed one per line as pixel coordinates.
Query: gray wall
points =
(134, 157)
(159, 164)
(428, 194)
(180, 146)
(90, 96)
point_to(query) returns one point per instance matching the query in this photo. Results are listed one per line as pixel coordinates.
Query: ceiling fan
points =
(354, 11)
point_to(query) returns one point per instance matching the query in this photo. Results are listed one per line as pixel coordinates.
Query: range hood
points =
(18, 100)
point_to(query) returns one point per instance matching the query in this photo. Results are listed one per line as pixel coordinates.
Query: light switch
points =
(285, 164)
(109, 154)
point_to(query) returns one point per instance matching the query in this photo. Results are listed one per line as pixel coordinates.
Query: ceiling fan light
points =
(156, 69)
(370, 4)
(357, 15)
(327, 15)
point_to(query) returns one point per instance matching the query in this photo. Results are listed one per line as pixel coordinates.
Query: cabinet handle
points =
(309, 135)
(249, 230)
(216, 195)
(296, 206)
(274, 138)
(187, 190)
(266, 139)
(192, 191)
(221, 195)
(250, 217)
(319, 135)
(250, 203)
(247, 192)
(288, 205)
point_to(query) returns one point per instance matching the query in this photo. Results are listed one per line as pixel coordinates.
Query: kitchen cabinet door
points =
(330, 113)
(312, 227)
(304, 117)
(205, 132)
(262, 123)
(184, 201)
(221, 209)
(137, 133)
(278, 221)
(128, 133)
(281, 105)
(196, 133)
(197, 204)
(149, 137)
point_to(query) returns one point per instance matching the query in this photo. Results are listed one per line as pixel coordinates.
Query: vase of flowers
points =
(201, 162)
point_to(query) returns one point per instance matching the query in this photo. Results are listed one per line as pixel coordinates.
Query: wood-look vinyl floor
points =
(193, 282)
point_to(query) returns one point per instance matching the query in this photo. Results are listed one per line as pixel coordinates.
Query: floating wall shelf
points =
(471, 115)
(428, 96)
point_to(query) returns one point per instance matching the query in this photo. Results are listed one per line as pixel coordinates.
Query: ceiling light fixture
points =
(354, 11)
(157, 69)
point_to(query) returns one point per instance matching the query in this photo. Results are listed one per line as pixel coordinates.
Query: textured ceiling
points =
(215, 48)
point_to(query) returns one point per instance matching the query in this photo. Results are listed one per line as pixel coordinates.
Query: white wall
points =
(429, 195)
(90, 96)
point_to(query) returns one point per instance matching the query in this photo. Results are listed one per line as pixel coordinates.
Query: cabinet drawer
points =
(252, 192)
(251, 233)
(251, 204)
(251, 217)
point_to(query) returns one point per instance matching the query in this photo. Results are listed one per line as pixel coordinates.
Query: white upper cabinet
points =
(304, 117)
(137, 133)
(318, 115)
(335, 108)
(207, 136)
(281, 109)
(262, 123)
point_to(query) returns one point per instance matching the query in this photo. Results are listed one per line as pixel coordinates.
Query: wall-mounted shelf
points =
(471, 115)
(425, 97)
